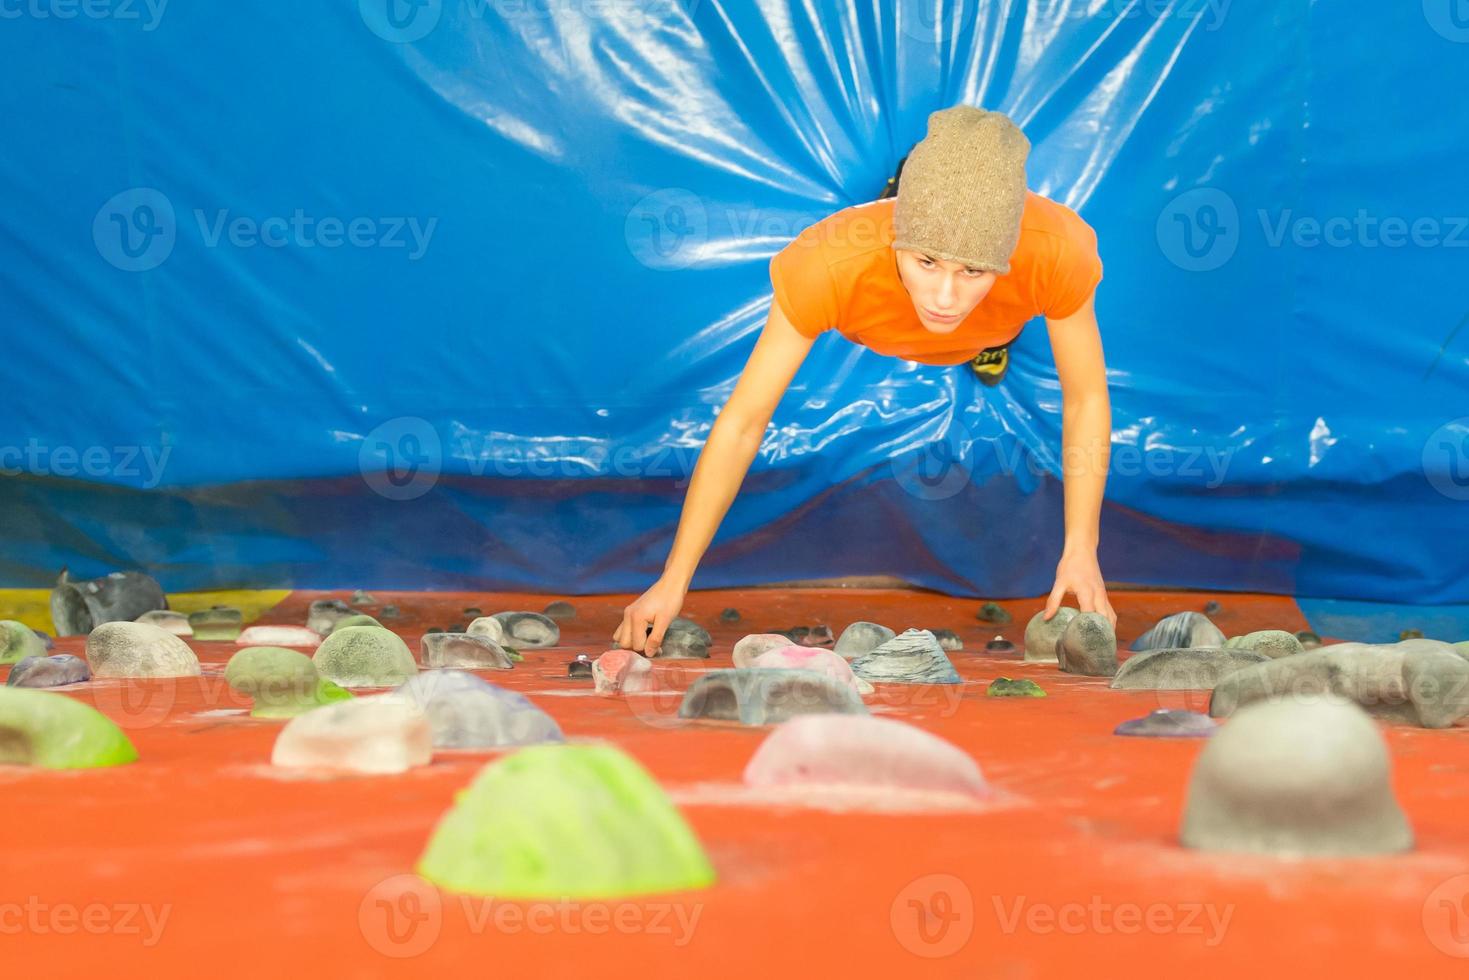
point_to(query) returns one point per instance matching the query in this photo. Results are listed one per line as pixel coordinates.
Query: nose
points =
(945, 297)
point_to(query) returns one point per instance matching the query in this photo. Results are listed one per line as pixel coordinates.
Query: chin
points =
(940, 327)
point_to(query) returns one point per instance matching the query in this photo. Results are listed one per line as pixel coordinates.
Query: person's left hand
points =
(1080, 575)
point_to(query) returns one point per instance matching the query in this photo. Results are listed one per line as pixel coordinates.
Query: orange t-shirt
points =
(842, 273)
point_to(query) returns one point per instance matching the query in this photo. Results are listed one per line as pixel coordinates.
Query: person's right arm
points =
(733, 442)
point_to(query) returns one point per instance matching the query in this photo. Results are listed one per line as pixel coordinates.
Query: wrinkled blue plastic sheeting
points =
(518, 251)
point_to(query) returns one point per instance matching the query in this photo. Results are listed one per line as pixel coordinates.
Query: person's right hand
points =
(656, 608)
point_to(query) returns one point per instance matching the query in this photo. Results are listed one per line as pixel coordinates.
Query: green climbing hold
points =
(564, 821)
(1462, 649)
(18, 641)
(364, 656)
(1006, 687)
(53, 731)
(361, 619)
(514, 654)
(218, 625)
(283, 683)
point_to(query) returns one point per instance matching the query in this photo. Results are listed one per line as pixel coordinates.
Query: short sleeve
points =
(1077, 270)
(801, 280)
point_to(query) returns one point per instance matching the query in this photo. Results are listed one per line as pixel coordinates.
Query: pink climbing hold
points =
(796, 657)
(821, 751)
(623, 672)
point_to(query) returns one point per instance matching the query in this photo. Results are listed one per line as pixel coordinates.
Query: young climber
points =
(948, 272)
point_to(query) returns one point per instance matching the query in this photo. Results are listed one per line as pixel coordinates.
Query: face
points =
(943, 292)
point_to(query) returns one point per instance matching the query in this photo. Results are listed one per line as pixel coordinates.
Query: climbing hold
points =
(1420, 682)
(1168, 723)
(49, 671)
(490, 628)
(730, 615)
(77, 608)
(992, 612)
(1041, 634)
(372, 735)
(1088, 646)
(580, 667)
(218, 625)
(623, 672)
(750, 647)
(326, 613)
(120, 649)
(854, 750)
(911, 657)
(684, 640)
(18, 641)
(1271, 643)
(282, 683)
(389, 612)
(1005, 687)
(529, 629)
(364, 656)
(278, 636)
(558, 610)
(764, 697)
(1212, 608)
(462, 650)
(828, 662)
(948, 639)
(357, 619)
(861, 638)
(1185, 629)
(360, 598)
(53, 731)
(1295, 779)
(1186, 669)
(1309, 640)
(564, 822)
(1410, 634)
(467, 712)
(175, 622)
(999, 645)
(818, 636)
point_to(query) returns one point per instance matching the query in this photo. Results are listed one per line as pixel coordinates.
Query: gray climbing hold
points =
(757, 696)
(324, 614)
(1168, 723)
(42, 671)
(1295, 779)
(360, 598)
(1420, 682)
(730, 615)
(125, 649)
(999, 646)
(389, 612)
(911, 657)
(18, 641)
(1272, 643)
(528, 629)
(684, 640)
(818, 636)
(1041, 636)
(1309, 640)
(862, 638)
(175, 622)
(992, 612)
(364, 656)
(45, 638)
(1185, 629)
(1185, 669)
(1088, 646)
(1212, 608)
(467, 712)
(489, 627)
(948, 639)
(78, 608)
(558, 610)
(580, 667)
(463, 650)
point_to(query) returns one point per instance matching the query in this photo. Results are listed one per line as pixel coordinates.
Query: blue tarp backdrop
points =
(447, 293)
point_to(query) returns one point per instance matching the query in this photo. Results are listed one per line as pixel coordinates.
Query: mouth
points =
(939, 317)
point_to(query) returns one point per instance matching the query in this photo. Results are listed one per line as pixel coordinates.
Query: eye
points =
(973, 273)
(925, 262)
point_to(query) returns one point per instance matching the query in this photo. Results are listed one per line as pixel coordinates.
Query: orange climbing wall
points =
(200, 861)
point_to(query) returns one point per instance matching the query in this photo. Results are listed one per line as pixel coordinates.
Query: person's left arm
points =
(1086, 445)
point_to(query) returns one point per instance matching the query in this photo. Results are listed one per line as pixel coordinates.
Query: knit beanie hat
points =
(962, 192)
